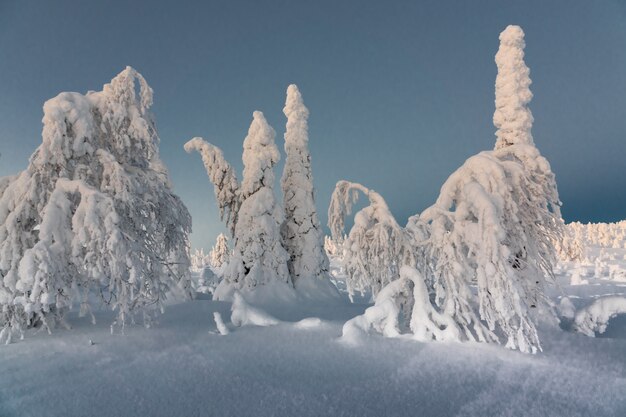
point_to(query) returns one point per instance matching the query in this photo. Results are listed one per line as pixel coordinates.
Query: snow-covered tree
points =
(301, 232)
(220, 254)
(93, 210)
(485, 247)
(376, 246)
(223, 177)
(258, 257)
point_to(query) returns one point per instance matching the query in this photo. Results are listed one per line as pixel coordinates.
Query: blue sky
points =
(400, 92)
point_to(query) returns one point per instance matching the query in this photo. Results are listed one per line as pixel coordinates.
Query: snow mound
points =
(309, 323)
(408, 294)
(243, 314)
(595, 317)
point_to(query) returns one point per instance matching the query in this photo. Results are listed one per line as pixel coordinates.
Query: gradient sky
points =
(400, 92)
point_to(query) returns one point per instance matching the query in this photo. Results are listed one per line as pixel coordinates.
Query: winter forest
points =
(487, 302)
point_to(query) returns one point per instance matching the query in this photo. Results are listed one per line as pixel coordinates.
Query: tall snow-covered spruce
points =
(93, 211)
(301, 232)
(258, 257)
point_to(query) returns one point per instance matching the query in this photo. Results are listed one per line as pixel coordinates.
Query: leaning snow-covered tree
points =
(491, 229)
(258, 257)
(376, 246)
(93, 210)
(220, 254)
(301, 232)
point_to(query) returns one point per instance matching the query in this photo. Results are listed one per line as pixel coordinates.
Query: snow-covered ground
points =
(184, 367)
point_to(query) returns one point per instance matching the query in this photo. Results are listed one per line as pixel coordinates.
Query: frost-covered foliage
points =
(512, 117)
(220, 253)
(301, 231)
(93, 211)
(376, 246)
(595, 317)
(258, 257)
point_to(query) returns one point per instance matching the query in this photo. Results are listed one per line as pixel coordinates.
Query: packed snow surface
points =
(186, 365)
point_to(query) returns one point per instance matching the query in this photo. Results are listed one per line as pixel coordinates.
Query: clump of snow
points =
(595, 317)
(243, 314)
(309, 323)
(219, 323)
(566, 308)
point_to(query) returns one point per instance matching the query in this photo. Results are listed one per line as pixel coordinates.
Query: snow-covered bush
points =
(93, 211)
(301, 230)
(258, 257)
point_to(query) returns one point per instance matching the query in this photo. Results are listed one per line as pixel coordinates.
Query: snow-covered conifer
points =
(258, 256)
(301, 232)
(220, 254)
(222, 176)
(93, 210)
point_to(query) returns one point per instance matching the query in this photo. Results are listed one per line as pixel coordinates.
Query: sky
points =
(400, 93)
